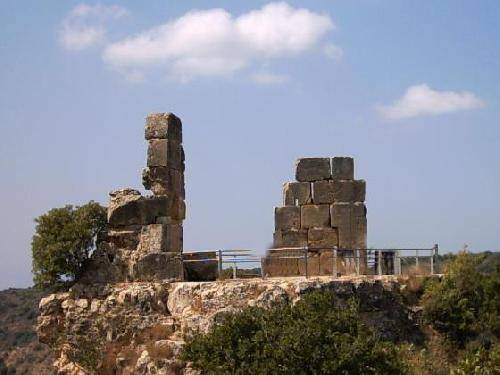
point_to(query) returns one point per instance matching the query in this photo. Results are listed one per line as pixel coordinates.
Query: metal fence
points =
(231, 257)
(388, 261)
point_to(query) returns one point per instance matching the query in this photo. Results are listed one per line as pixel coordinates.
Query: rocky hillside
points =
(20, 350)
(140, 327)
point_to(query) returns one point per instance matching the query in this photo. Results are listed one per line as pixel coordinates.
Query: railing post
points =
(379, 262)
(397, 263)
(219, 258)
(334, 265)
(436, 256)
(234, 268)
(305, 258)
(356, 259)
(432, 261)
(416, 259)
(262, 268)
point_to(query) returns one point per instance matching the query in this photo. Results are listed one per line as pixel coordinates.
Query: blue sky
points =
(409, 89)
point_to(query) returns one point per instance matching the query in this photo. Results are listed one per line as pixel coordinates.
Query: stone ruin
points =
(323, 210)
(144, 239)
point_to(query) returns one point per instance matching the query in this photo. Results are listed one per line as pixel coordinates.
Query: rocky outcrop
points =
(140, 327)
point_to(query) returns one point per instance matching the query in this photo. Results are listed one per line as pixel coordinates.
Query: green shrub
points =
(480, 362)
(314, 336)
(63, 241)
(465, 304)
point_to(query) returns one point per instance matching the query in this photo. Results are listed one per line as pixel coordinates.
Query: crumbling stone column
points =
(323, 209)
(144, 240)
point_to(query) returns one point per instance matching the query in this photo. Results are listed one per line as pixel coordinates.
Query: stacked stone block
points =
(324, 208)
(144, 240)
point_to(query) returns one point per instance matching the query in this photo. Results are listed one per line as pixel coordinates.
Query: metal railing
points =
(389, 261)
(370, 261)
(233, 257)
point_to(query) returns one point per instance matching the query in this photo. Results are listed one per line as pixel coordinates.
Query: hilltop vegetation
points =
(460, 321)
(20, 351)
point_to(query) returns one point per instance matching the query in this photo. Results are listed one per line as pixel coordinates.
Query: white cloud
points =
(420, 100)
(85, 25)
(333, 52)
(265, 78)
(215, 43)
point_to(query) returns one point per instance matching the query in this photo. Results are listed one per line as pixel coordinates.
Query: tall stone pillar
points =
(144, 239)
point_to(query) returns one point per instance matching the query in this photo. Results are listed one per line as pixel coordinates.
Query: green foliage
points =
(480, 362)
(314, 336)
(465, 304)
(87, 352)
(63, 241)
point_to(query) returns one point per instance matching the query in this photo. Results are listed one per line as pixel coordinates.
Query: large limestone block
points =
(313, 265)
(290, 238)
(342, 168)
(123, 208)
(177, 208)
(296, 193)
(322, 238)
(158, 238)
(158, 266)
(328, 192)
(281, 263)
(350, 221)
(138, 210)
(313, 169)
(315, 215)
(164, 181)
(359, 190)
(287, 217)
(163, 125)
(341, 219)
(359, 231)
(127, 238)
(165, 153)
(323, 192)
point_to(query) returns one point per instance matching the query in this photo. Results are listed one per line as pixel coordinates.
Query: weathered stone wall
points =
(144, 239)
(323, 209)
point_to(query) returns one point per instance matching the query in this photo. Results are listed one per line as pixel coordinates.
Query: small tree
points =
(63, 241)
(465, 304)
(314, 336)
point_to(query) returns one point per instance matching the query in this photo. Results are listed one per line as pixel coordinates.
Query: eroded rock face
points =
(139, 328)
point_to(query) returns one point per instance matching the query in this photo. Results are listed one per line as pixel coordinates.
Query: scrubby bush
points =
(314, 336)
(465, 304)
(480, 362)
(63, 241)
